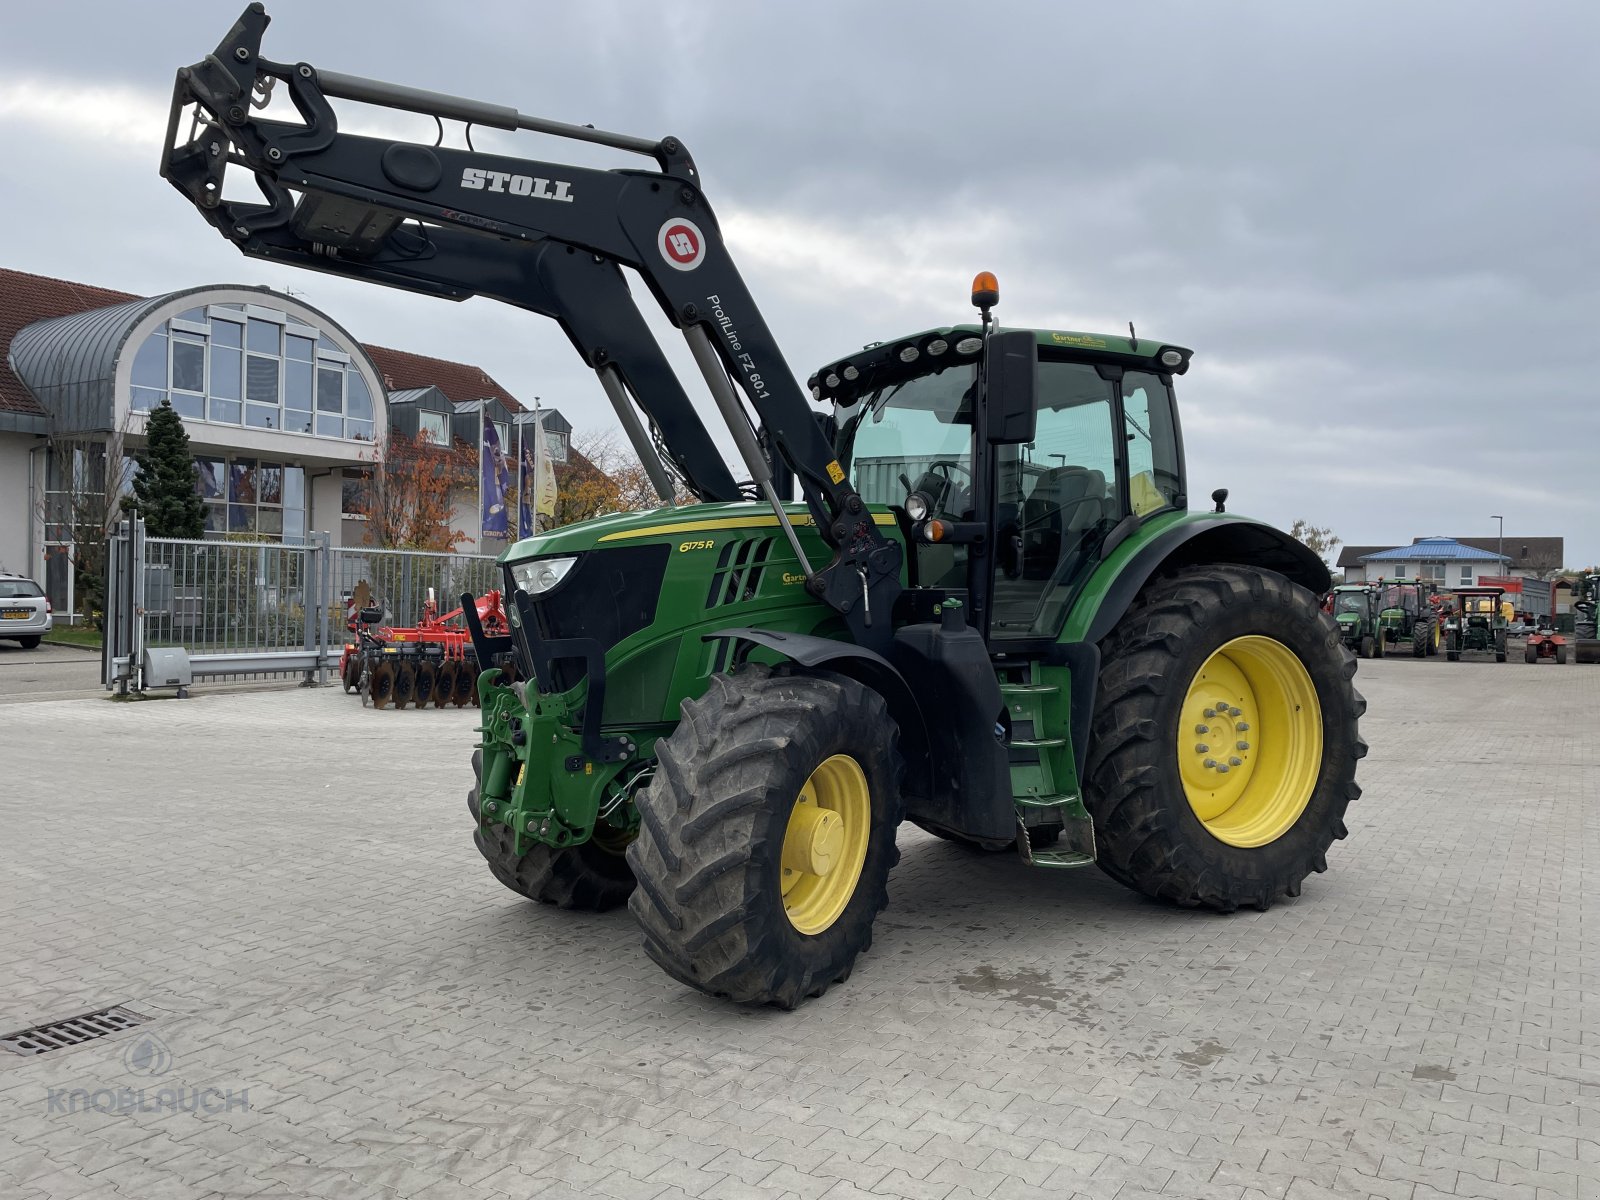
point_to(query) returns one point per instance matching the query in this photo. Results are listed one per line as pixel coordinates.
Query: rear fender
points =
(1198, 540)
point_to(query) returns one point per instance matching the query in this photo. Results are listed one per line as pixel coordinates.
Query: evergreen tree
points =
(165, 487)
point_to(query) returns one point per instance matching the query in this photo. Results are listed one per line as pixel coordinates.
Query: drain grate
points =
(73, 1031)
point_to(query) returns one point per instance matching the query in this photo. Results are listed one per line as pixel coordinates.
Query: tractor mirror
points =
(1011, 387)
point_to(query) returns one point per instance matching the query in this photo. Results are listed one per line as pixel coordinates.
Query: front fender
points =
(866, 667)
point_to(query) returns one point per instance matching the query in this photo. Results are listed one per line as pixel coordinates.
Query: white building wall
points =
(16, 503)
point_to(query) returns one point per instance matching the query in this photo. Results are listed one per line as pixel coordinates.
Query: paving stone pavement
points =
(286, 882)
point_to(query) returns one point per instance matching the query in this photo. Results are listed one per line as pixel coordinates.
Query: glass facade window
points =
(223, 366)
(247, 495)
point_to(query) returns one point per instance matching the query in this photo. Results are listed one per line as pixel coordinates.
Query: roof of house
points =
(1523, 550)
(1435, 549)
(458, 381)
(26, 298)
(1351, 556)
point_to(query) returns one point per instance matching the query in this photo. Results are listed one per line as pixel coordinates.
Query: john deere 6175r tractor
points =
(991, 613)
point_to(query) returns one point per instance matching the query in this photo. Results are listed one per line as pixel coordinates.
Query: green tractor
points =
(1586, 603)
(1408, 613)
(1477, 623)
(992, 614)
(1355, 610)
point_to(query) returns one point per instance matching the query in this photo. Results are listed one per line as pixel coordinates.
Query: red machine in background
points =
(430, 662)
(1545, 642)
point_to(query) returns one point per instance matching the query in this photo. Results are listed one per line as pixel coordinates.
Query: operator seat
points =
(1064, 503)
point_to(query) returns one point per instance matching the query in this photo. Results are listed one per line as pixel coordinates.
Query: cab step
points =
(1076, 845)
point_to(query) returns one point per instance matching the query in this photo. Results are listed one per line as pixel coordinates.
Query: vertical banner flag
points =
(527, 473)
(544, 473)
(494, 479)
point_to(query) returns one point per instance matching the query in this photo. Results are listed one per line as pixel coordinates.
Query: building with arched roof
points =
(283, 406)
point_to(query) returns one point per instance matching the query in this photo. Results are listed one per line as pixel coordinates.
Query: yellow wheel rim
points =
(1250, 741)
(825, 844)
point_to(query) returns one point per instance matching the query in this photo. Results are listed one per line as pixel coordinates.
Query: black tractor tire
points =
(591, 877)
(1148, 836)
(350, 674)
(1530, 654)
(713, 822)
(1421, 635)
(1500, 648)
(1452, 656)
(1561, 656)
(1369, 648)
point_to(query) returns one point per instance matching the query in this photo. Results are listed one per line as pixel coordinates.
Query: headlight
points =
(541, 574)
(917, 506)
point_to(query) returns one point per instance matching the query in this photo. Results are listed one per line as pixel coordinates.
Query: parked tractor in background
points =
(1355, 609)
(1477, 624)
(1545, 642)
(1586, 627)
(1408, 613)
(992, 613)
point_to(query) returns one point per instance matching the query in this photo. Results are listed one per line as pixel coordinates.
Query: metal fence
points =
(244, 608)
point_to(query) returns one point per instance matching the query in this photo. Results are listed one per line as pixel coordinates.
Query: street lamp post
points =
(1502, 539)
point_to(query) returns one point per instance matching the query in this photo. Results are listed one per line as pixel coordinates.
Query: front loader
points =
(991, 612)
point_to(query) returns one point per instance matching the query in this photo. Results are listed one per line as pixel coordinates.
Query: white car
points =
(24, 611)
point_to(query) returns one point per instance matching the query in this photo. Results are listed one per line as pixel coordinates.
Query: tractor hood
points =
(686, 523)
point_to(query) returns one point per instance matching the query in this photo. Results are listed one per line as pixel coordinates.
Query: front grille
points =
(609, 595)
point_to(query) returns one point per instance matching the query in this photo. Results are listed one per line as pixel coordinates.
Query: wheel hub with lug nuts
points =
(825, 844)
(1257, 724)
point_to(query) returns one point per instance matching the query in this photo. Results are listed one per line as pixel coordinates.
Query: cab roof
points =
(884, 363)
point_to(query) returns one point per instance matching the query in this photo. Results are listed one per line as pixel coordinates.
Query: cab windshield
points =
(1350, 602)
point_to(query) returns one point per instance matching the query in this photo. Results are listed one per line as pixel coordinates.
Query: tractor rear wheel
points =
(1500, 648)
(593, 876)
(1421, 633)
(767, 834)
(1368, 648)
(1225, 739)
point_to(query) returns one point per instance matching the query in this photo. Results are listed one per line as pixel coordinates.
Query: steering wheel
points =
(938, 483)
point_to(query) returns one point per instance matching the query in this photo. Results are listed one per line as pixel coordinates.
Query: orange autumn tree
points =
(602, 476)
(406, 494)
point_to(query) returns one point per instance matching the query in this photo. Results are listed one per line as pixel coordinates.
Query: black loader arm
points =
(544, 236)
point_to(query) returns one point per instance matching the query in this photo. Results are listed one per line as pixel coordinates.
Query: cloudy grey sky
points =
(1374, 222)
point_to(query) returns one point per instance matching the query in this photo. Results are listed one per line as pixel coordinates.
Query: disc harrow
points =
(428, 664)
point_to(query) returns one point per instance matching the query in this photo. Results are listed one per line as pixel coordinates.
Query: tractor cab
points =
(1052, 489)
(1477, 623)
(1408, 613)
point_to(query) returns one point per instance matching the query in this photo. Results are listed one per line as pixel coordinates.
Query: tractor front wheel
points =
(592, 876)
(767, 834)
(1530, 654)
(1368, 647)
(1561, 656)
(1421, 633)
(1225, 739)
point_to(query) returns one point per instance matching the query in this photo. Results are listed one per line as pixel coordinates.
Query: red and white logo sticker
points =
(682, 244)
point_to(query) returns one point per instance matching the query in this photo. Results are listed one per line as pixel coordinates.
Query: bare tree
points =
(602, 476)
(1321, 541)
(87, 477)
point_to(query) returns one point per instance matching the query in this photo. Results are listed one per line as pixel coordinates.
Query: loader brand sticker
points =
(682, 244)
(479, 180)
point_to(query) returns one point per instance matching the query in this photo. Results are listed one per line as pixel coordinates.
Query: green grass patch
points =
(74, 635)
